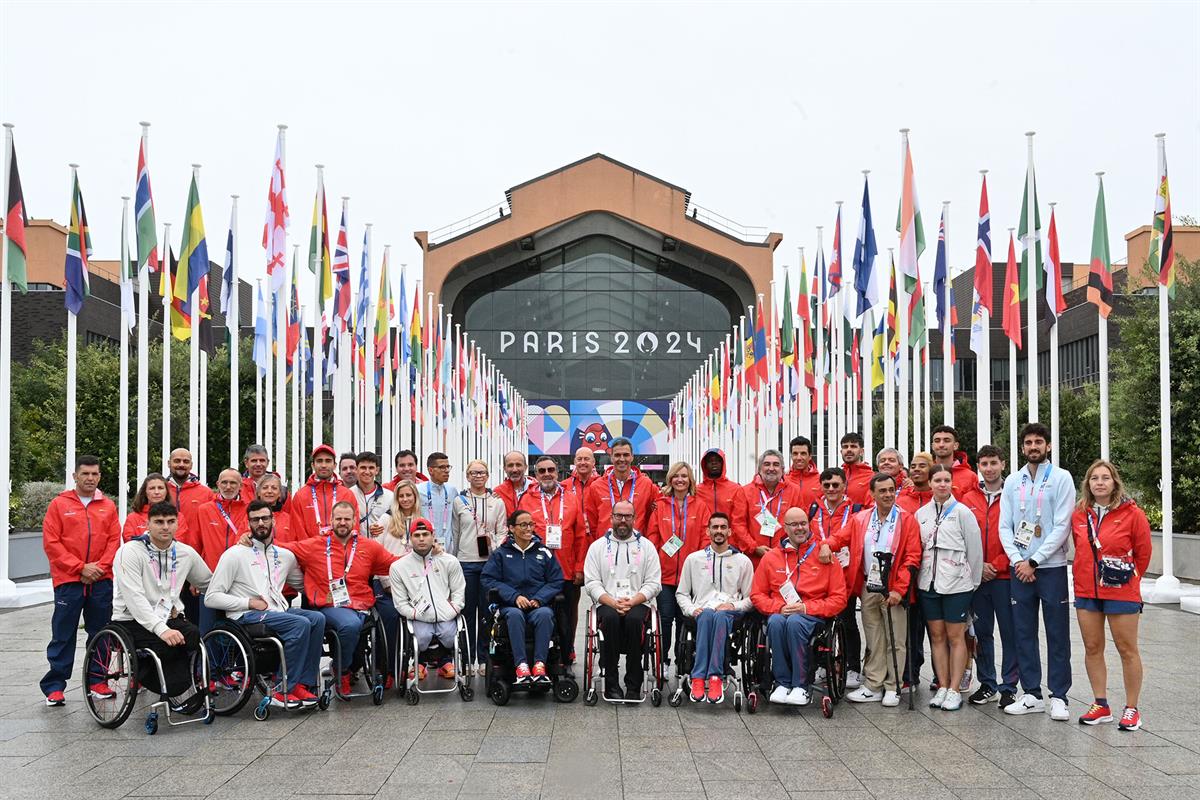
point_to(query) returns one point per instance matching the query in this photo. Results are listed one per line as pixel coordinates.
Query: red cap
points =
(420, 524)
(324, 448)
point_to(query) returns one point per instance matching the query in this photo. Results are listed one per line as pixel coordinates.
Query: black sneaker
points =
(613, 692)
(1007, 699)
(983, 695)
(633, 693)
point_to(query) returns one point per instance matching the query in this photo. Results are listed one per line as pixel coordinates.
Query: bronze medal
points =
(1037, 529)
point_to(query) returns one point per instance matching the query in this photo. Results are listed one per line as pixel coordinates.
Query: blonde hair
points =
(674, 470)
(398, 522)
(1087, 499)
(925, 455)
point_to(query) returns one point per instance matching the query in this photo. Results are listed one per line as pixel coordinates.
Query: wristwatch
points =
(1032, 563)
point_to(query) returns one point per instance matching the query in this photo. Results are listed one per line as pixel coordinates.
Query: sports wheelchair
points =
(371, 655)
(244, 657)
(651, 655)
(408, 660)
(738, 660)
(111, 658)
(500, 669)
(827, 653)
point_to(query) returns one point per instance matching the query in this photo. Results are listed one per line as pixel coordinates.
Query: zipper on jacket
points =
(432, 601)
(87, 551)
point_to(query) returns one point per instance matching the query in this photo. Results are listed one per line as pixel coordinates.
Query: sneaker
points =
(853, 679)
(102, 690)
(1095, 715)
(891, 699)
(716, 689)
(1007, 699)
(934, 685)
(56, 699)
(447, 671)
(780, 695)
(798, 697)
(983, 695)
(1026, 704)
(420, 673)
(953, 701)
(346, 686)
(523, 674)
(389, 682)
(698, 690)
(865, 695)
(1131, 719)
(539, 673)
(302, 693)
(612, 691)
(939, 697)
(279, 699)
(633, 693)
(819, 678)
(1058, 710)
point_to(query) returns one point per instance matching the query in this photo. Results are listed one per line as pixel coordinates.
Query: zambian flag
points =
(1100, 286)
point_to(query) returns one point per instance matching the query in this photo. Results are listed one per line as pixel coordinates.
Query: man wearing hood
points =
(723, 495)
(803, 474)
(188, 493)
(312, 504)
(767, 499)
(945, 451)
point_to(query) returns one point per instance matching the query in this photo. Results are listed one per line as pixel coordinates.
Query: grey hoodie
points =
(429, 589)
(706, 573)
(143, 578)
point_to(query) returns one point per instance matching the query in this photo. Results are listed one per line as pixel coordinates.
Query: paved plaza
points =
(535, 748)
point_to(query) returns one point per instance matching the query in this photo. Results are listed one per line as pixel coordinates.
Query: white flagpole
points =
(1166, 588)
(1031, 260)
(318, 350)
(889, 375)
(202, 447)
(385, 384)
(983, 371)
(123, 379)
(1012, 394)
(916, 392)
(258, 377)
(7, 587)
(283, 301)
(368, 382)
(1055, 439)
(1102, 342)
(142, 454)
(902, 322)
(343, 382)
(72, 356)
(165, 253)
(948, 332)
(194, 360)
(819, 446)
(866, 348)
(234, 362)
(926, 443)
(280, 299)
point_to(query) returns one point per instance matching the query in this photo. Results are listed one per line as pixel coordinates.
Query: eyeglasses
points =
(622, 516)
(526, 524)
(794, 525)
(546, 470)
(477, 473)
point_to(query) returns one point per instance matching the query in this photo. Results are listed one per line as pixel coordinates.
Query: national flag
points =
(505, 418)
(180, 318)
(787, 344)
(878, 352)
(940, 276)
(749, 370)
(79, 252)
(147, 234)
(908, 222)
(295, 324)
(15, 219)
(383, 315)
(262, 334)
(193, 264)
(804, 310)
(416, 344)
(953, 325)
(1100, 284)
(362, 309)
(760, 346)
(983, 252)
(228, 280)
(319, 261)
(866, 287)
(893, 337)
(1054, 293)
(856, 365)
(714, 385)
(835, 258)
(1027, 240)
(1012, 296)
(127, 269)
(402, 342)
(341, 278)
(1162, 242)
(278, 220)
(205, 325)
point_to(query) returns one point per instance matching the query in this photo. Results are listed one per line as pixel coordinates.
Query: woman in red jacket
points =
(153, 490)
(1112, 551)
(678, 527)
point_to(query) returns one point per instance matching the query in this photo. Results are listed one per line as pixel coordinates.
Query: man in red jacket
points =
(516, 481)
(797, 593)
(80, 535)
(827, 517)
(406, 470)
(582, 476)
(858, 472)
(917, 492)
(311, 507)
(884, 542)
(620, 482)
(723, 495)
(767, 499)
(222, 523)
(188, 493)
(804, 475)
(944, 444)
(992, 601)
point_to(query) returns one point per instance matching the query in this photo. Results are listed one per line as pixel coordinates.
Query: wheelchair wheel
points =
(826, 707)
(466, 692)
(675, 698)
(836, 668)
(112, 660)
(231, 668)
(499, 693)
(566, 689)
(656, 697)
(374, 655)
(752, 702)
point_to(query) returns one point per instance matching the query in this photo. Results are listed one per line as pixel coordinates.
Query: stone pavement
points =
(535, 748)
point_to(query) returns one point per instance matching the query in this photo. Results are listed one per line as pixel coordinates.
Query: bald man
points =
(187, 492)
(221, 522)
(516, 480)
(583, 474)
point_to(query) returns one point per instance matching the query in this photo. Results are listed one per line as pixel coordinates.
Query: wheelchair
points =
(827, 653)
(244, 657)
(500, 669)
(738, 667)
(407, 658)
(371, 655)
(651, 655)
(112, 658)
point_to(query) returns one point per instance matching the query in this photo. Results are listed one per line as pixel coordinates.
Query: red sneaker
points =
(390, 683)
(346, 688)
(56, 699)
(419, 673)
(446, 671)
(279, 699)
(716, 691)
(1095, 715)
(523, 673)
(697, 690)
(102, 690)
(302, 694)
(1131, 719)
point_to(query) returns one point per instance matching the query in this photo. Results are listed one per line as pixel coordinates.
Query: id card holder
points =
(1024, 534)
(623, 589)
(767, 524)
(874, 579)
(843, 557)
(162, 609)
(671, 546)
(338, 593)
(790, 595)
(554, 537)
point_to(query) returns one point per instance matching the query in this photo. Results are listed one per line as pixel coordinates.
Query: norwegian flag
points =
(278, 220)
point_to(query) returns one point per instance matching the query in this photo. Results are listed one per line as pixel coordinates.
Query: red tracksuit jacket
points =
(574, 544)
(667, 519)
(74, 535)
(1123, 533)
(906, 550)
(821, 586)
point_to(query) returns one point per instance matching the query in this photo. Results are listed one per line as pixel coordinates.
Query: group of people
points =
(897, 553)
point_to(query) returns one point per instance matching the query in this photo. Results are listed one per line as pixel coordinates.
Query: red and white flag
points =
(278, 220)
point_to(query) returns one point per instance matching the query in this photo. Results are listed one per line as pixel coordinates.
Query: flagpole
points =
(889, 370)
(194, 357)
(1031, 260)
(72, 354)
(142, 455)
(902, 321)
(386, 375)
(231, 313)
(343, 381)
(1102, 343)
(819, 446)
(866, 380)
(1055, 439)
(258, 377)
(318, 349)
(915, 354)
(1012, 388)
(299, 373)
(7, 587)
(279, 299)
(983, 363)
(927, 441)
(123, 379)
(948, 333)
(1166, 588)
(166, 349)
(368, 365)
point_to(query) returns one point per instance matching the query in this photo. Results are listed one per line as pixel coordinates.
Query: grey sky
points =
(425, 114)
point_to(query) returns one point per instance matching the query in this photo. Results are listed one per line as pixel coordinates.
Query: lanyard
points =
(1040, 490)
(474, 508)
(265, 565)
(799, 563)
(683, 519)
(345, 564)
(156, 561)
(562, 498)
(821, 518)
(877, 526)
(613, 499)
(316, 508)
(611, 558)
(938, 519)
(1094, 520)
(765, 502)
(518, 495)
(228, 521)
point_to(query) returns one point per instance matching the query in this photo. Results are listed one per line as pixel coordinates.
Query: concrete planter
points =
(1186, 547)
(26, 558)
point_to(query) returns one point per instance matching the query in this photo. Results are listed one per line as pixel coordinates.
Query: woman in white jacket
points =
(951, 569)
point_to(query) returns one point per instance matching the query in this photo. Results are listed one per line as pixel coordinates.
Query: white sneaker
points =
(1025, 704)
(853, 680)
(938, 698)
(1058, 709)
(891, 699)
(953, 701)
(798, 697)
(864, 695)
(780, 695)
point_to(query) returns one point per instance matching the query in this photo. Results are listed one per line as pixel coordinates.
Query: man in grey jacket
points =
(430, 590)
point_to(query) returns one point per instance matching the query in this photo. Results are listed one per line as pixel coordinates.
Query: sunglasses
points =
(546, 470)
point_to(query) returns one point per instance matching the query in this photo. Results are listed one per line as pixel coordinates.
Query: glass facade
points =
(598, 319)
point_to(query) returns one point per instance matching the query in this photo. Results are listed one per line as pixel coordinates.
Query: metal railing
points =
(469, 223)
(756, 234)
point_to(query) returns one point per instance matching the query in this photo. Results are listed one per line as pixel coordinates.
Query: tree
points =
(1079, 428)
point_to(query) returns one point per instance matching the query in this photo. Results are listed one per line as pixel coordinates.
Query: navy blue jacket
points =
(534, 573)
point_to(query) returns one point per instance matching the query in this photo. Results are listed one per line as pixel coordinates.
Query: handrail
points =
(747, 233)
(468, 223)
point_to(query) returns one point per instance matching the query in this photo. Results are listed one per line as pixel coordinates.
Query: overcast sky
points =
(767, 113)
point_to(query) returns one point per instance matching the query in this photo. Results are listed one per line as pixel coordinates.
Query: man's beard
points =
(341, 535)
(622, 533)
(263, 536)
